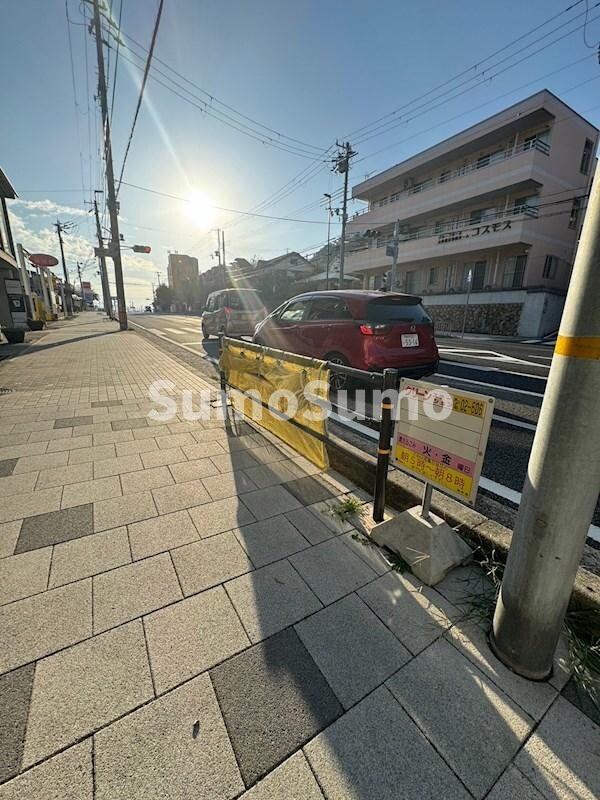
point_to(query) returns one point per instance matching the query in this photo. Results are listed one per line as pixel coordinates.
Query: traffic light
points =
(141, 248)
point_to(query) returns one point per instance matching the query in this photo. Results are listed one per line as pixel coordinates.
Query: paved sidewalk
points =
(183, 616)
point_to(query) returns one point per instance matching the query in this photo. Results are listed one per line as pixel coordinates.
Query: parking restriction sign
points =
(440, 436)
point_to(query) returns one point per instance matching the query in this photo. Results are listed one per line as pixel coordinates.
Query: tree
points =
(163, 298)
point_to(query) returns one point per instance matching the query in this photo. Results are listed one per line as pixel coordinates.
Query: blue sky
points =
(312, 70)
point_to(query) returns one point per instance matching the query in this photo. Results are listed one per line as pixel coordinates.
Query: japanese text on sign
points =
(446, 450)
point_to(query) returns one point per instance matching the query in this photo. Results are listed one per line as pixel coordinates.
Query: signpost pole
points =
(426, 502)
(390, 381)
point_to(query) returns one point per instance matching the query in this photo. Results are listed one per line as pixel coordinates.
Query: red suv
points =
(368, 330)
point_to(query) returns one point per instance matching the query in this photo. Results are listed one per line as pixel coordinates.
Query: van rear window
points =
(244, 301)
(403, 310)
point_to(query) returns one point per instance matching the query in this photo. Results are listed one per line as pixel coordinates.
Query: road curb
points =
(403, 491)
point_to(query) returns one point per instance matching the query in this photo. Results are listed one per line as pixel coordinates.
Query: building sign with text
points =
(470, 233)
(440, 436)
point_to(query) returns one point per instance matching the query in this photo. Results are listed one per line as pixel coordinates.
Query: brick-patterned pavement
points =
(181, 616)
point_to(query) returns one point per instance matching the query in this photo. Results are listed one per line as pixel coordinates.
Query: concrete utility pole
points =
(115, 243)
(60, 228)
(563, 477)
(223, 247)
(80, 286)
(102, 261)
(328, 196)
(394, 279)
(342, 167)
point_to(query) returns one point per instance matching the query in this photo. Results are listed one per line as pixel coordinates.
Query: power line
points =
(221, 208)
(142, 87)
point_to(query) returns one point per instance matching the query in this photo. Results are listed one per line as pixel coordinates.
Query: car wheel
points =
(337, 381)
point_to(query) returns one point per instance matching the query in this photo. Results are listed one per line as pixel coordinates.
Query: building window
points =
(444, 176)
(476, 271)
(550, 267)
(411, 281)
(526, 205)
(483, 161)
(586, 156)
(575, 209)
(439, 226)
(433, 276)
(476, 216)
(514, 270)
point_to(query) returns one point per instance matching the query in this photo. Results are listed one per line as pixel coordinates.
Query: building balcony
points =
(487, 175)
(491, 231)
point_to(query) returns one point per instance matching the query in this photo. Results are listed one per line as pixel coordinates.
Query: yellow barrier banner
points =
(277, 393)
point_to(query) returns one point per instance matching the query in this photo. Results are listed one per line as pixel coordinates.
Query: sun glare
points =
(200, 211)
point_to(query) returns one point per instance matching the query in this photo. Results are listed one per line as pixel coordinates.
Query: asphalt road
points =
(515, 373)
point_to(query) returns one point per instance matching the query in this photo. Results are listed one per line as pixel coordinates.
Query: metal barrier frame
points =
(386, 380)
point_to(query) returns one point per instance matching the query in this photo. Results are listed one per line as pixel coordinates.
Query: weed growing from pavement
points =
(579, 626)
(346, 507)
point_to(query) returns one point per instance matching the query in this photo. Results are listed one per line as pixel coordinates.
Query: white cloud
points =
(48, 208)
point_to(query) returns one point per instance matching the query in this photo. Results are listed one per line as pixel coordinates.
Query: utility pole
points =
(563, 476)
(60, 228)
(81, 286)
(115, 243)
(329, 212)
(342, 167)
(102, 261)
(158, 277)
(394, 279)
(223, 247)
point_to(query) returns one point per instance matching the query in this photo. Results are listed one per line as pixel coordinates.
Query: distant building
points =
(182, 272)
(488, 219)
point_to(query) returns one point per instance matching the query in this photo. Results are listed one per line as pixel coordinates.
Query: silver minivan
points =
(236, 312)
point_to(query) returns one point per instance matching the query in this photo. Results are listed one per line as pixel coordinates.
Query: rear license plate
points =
(410, 340)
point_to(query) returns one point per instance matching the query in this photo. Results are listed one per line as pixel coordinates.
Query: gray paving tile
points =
(9, 533)
(18, 484)
(270, 474)
(91, 491)
(45, 461)
(81, 558)
(54, 527)
(356, 758)
(106, 403)
(309, 490)
(270, 599)
(161, 533)
(75, 443)
(193, 470)
(61, 476)
(180, 496)
(154, 754)
(22, 450)
(112, 437)
(332, 570)
(85, 687)
(154, 478)
(452, 702)
(416, 613)
(464, 584)
(270, 539)
(73, 422)
(40, 625)
(309, 526)
(513, 784)
(15, 695)
(159, 458)
(67, 776)
(118, 511)
(292, 780)
(187, 638)
(7, 466)
(268, 453)
(203, 450)
(228, 484)
(96, 453)
(133, 590)
(50, 436)
(171, 440)
(230, 462)
(219, 516)
(324, 512)
(269, 502)
(352, 648)
(273, 699)
(203, 564)
(136, 446)
(30, 504)
(562, 757)
(212, 434)
(362, 546)
(24, 575)
(117, 466)
(129, 424)
(534, 697)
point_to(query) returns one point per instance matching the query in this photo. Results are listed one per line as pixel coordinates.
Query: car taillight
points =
(373, 330)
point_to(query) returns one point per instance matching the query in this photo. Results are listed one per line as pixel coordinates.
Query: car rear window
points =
(397, 310)
(244, 301)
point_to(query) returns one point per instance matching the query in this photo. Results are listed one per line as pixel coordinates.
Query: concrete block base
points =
(429, 545)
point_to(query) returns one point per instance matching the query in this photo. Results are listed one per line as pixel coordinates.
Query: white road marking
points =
(178, 331)
(156, 331)
(517, 423)
(486, 355)
(192, 330)
(491, 385)
(497, 369)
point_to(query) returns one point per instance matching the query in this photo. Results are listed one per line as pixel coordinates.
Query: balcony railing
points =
(448, 232)
(444, 177)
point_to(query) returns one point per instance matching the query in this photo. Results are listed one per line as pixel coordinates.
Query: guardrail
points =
(384, 381)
